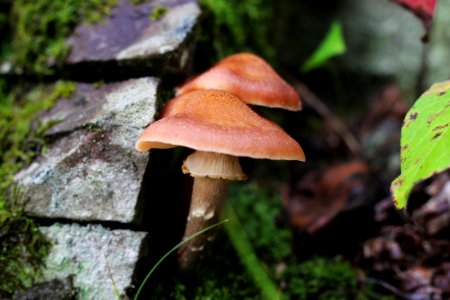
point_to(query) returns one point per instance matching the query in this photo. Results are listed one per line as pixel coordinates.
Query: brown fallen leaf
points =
(320, 196)
(434, 215)
(415, 263)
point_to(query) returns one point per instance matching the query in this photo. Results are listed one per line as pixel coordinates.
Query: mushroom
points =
(220, 128)
(248, 77)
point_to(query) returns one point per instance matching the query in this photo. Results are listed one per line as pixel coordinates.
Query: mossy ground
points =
(223, 276)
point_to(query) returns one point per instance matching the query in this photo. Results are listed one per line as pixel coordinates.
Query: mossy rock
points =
(98, 40)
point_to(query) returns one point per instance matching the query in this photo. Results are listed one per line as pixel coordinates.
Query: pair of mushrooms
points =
(209, 114)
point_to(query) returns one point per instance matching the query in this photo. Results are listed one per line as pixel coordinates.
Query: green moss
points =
(236, 26)
(326, 279)
(40, 28)
(137, 2)
(158, 12)
(19, 141)
(256, 205)
(221, 277)
(22, 246)
(98, 84)
(93, 127)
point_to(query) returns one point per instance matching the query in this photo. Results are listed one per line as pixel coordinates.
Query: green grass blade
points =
(171, 251)
(247, 254)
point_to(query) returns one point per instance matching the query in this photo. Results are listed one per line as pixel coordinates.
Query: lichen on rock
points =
(101, 261)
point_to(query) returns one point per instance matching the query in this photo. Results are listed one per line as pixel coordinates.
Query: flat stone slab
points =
(129, 37)
(97, 259)
(92, 171)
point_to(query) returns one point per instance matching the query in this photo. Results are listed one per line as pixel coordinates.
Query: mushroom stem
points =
(208, 197)
(212, 173)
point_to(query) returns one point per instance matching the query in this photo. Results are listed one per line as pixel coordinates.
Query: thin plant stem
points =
(248, 256)
(116, 290)
(171, 251)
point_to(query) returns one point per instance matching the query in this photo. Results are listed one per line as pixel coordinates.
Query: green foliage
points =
(22, 246)
(40, 28)
(237, 26)
(332, 45)
(425, 141)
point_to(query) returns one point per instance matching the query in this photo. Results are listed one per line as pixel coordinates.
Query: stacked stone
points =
(91, 175)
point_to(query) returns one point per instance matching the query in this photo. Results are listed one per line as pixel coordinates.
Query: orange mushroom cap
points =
(250, 78)
(217, 121)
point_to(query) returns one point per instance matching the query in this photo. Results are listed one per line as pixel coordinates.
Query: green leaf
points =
(425, 141)
(332, 45)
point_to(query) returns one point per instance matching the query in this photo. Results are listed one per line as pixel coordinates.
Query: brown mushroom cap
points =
(250, 78)
(216, 121)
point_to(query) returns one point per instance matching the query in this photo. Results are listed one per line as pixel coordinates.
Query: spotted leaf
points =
(425, 141)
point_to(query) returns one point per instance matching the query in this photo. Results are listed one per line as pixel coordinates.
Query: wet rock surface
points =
(92, 172)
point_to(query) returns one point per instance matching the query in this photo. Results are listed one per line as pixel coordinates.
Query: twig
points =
(116, 290)
(333, 122)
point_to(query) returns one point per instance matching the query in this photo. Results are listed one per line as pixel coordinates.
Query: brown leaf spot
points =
(442, 93)
(399, 182)
(394, 199)
(432, 118)
(404, 148)
(440, 127)
(320, 196)
(413, 116)
(436, 135)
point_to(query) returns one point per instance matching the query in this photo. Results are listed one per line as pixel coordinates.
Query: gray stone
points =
(55, 289)
(439, 52)
(99, 260)
(129, 36)
(92, 171)
(383, 39)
